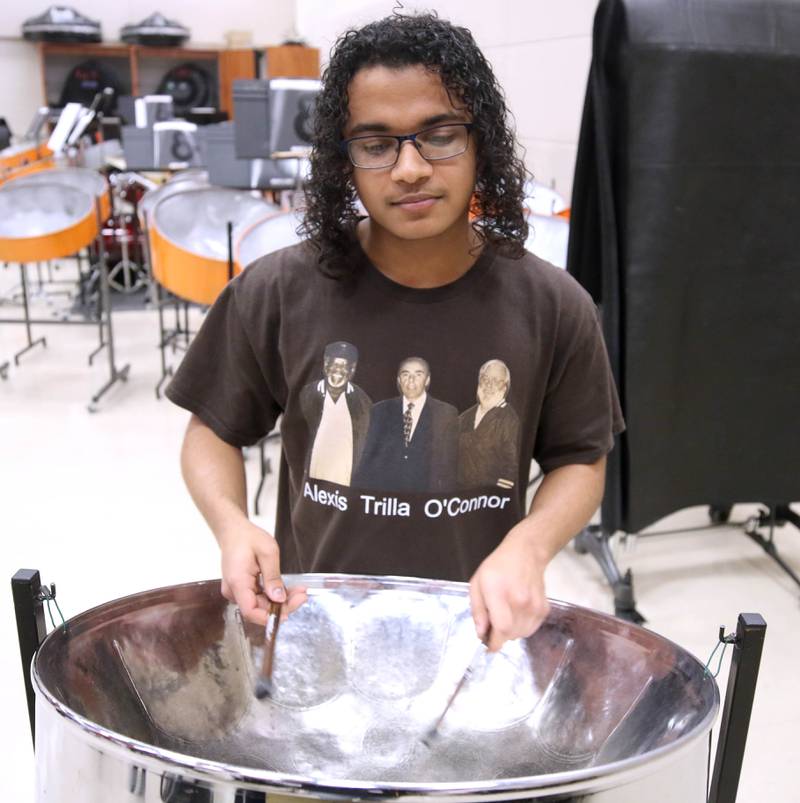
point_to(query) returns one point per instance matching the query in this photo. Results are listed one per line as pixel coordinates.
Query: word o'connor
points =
(456, 506)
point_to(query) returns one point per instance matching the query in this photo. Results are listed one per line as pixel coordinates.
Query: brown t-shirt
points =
(367, 483)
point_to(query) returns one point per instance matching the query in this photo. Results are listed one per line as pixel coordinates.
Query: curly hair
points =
(450, 52)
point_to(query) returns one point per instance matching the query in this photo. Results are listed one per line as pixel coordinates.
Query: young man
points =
(411, 121)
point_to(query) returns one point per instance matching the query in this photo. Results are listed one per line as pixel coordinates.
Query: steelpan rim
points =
(237, 247)
(193, 191)
(587, 780)
(13, 187)
(59, 174)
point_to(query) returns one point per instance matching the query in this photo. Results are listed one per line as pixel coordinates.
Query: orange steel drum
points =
(180, 182)
(273, 232)
(18, 155)
(44, 221)
(189, 239)
(82, 178)
(48, 163)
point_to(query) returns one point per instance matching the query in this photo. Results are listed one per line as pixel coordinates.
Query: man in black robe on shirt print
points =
(412, 443)
(488, 433)
(337, 412)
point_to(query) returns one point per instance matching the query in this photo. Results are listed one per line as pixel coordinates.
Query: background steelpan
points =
(153, 692)
(548, 237)
(277, 230)
(43, 220)
(189, 239)
(81, 177)
(180, 182)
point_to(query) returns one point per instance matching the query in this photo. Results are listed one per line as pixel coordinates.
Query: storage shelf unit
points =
(139, 68)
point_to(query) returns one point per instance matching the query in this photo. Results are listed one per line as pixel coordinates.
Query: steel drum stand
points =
(594, 540)
(748, 641)
(115, 374)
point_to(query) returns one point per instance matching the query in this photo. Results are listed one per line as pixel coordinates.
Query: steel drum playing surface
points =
(361, 673)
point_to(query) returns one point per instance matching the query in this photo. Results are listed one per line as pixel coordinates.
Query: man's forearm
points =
(564, 502)
(214, 474)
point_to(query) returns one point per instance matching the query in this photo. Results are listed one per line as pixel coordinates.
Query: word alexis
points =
(392, 506)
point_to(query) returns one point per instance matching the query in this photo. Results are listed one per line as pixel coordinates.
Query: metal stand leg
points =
(748, 643)
(105, 294)
(166, 371)
(593, 540)
(26, 588)
(31, 342)
(774, 516)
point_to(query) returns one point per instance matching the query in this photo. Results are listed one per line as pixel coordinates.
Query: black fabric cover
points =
(686, 230)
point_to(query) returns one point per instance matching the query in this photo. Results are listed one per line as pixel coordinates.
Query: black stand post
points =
(26, 588)
(105, 294)
(748, 642)
(31, 342)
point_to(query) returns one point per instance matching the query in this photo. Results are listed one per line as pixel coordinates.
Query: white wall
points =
(540, 50)
(21, 89)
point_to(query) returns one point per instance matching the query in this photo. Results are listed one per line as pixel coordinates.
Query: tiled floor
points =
(96, 502)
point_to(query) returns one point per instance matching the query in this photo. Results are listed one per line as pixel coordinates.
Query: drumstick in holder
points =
(431, 736)
(264, 684)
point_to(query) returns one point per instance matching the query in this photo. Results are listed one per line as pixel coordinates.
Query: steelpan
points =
(48, 163)
(22, 153)
(81, 177)
(44, 221)
(154, 692)
(180, 182)
(277, 230)
(548, 237)
(189, 239)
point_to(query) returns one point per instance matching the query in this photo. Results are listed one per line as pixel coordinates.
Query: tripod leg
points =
(594, 541)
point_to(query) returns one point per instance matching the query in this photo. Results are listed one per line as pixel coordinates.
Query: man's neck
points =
(426, 263)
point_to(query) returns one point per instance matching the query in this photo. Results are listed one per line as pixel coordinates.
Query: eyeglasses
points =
(375, 151)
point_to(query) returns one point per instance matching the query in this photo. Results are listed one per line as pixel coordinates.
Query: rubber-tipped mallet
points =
(264, 683)
(433, 734)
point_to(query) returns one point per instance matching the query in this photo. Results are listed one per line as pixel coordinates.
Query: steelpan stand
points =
(107, 334)
(594, 540)
(748, 641)
(104, 322)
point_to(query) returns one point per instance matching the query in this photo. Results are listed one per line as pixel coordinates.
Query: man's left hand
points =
(507, 590)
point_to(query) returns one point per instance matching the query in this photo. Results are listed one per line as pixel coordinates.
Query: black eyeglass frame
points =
(344, 145)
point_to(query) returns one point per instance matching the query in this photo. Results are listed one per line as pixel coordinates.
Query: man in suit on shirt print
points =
(412, 442)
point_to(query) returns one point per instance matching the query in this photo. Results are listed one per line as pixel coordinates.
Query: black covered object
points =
(85, 80)
(155, 30)
(189, 85)
(686, 229)
(61, 24)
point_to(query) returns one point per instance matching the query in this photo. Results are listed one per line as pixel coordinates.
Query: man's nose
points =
(410, 166)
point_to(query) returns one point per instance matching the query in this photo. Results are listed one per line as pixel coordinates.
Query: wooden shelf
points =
(139, 67)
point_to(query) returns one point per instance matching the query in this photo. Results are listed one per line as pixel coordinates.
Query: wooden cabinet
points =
(138, 69)
(291, 61)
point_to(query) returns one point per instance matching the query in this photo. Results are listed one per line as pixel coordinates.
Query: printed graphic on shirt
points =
(412, 442)
(338, 415)
(488, 433)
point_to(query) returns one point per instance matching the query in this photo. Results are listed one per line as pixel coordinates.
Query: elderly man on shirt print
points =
(337, 412)
(488, 433)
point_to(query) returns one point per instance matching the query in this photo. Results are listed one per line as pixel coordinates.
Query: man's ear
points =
(428, 382)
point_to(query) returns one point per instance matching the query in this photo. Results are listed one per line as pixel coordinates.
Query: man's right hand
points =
(251, 575)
